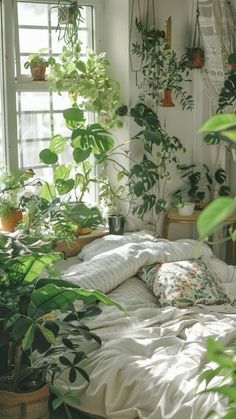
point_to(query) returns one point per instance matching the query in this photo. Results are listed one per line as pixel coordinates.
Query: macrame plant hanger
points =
(137, 67)
(196, 53)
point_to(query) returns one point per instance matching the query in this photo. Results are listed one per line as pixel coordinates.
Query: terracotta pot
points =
(38, 72)
(196, 57)
(9, 221)
(167, 100)
(31, 405)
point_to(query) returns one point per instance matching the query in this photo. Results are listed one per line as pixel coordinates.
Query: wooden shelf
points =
(76, 245)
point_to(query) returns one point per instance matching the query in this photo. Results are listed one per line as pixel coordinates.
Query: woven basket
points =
(31, 405)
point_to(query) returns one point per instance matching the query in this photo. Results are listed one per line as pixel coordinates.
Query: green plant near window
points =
(90, 146)
(147, 179)
(112, 196)
(35, 340)
(69, 16)
(200, 185)
(11, 183)
(90, 81)
(37, 58)
(161, 68)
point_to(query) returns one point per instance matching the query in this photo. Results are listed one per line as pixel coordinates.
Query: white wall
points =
(183, 124)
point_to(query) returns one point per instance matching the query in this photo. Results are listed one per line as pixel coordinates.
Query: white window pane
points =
(32, 14)
(44, 173)
(61, 102)
(34, 126)
(31, 40)
(34, 101)
(29, 152)
(59, 125)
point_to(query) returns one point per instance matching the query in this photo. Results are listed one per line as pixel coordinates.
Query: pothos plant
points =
(88, 80)
(88, 147)
(161, 68)
(147, 179)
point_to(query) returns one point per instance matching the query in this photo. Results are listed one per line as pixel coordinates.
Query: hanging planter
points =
(195, 53)
(167, 99)
(69, 17)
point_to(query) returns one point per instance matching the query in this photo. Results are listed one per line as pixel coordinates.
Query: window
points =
(33, 113)
(39, 112)
(2, 143)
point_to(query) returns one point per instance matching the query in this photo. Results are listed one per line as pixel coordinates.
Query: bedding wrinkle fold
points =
(150, 361)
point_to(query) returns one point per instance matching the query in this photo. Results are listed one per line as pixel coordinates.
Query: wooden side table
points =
(173, 216)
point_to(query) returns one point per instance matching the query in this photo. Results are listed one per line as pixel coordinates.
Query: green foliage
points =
(35, 332)
(219, 210)
(160, 66)
(151, 174)
(37, 58)
(227, 95)
(110, 195)
(200, 185)
(11, 184)
(90, 80)
(69, 19)
(224, 357)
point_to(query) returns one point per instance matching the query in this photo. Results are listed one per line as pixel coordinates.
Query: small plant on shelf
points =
(38, 64)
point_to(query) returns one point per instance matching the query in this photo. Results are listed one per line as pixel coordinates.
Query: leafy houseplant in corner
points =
(161, 68)
(38, 64)
(37, 320)
(148, 178)
(200, 185)
(11, 182)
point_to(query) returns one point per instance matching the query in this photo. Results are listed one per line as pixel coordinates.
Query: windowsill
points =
(76, 245)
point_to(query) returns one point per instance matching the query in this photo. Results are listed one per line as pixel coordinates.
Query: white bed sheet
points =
(151, 359)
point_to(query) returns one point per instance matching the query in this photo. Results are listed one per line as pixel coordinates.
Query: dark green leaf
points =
(48, 157)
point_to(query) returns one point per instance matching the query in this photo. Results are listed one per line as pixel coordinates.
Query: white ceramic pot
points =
(187, 209)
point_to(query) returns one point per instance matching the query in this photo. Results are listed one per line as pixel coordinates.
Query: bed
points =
(149, 364)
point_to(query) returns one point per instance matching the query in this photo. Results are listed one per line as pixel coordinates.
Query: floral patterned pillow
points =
(184, 283)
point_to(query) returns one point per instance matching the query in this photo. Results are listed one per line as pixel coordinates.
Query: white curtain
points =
(217, 22)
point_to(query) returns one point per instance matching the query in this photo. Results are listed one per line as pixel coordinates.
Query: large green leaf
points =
(48, 157)
(212, 217)
(48, 192)
(219, 123)
(28, 338)
(64, 186)
(57, 144)
(62, 172)
(81, 154)
(51, 297)
(34, 264)
(74, 114)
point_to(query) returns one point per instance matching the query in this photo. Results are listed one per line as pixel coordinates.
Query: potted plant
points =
(69, 16)
(161, 68)
(200, 185)
(33, 331)
(195, 53)
(38, 64)
(147, 178)
(111, 197)
(88, 80)
(11, 182)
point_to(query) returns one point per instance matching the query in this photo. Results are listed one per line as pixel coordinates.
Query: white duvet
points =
(150, 360)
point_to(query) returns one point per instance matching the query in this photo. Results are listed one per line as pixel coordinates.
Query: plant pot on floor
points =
(9, 221)
(30, 405)
(116, 224)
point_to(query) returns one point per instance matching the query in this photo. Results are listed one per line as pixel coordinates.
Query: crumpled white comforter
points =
(150, 361)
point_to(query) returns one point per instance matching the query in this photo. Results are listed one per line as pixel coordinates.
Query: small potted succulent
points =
(38, 64)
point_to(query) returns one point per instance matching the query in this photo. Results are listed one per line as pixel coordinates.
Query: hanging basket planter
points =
(195, 53)
(196, 57)
(167, 99)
